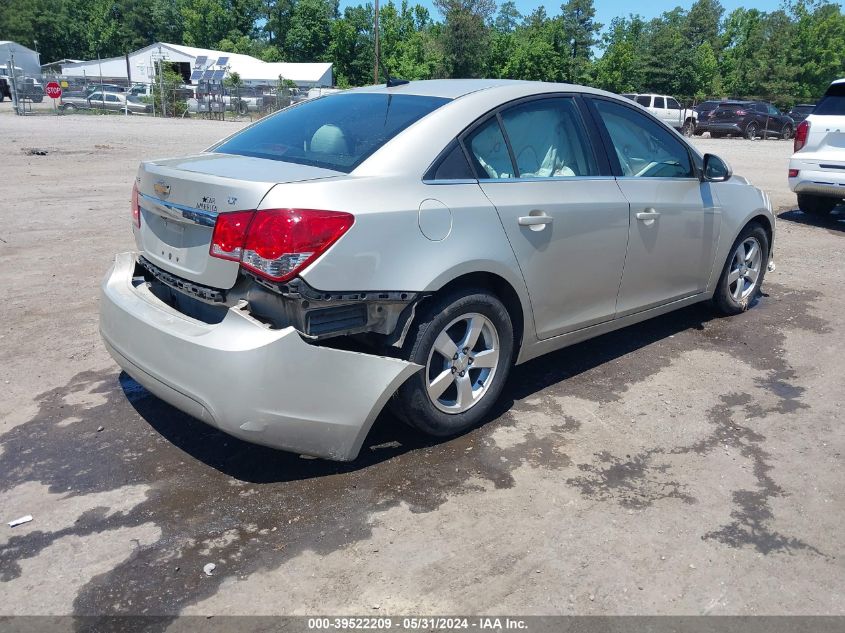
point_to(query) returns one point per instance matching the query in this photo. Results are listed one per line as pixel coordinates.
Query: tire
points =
(688, 128)
(716, 135)
(786, 134)
(818, 206)
(751, 131)
(443, 326)
(68, 107)
(743, 272)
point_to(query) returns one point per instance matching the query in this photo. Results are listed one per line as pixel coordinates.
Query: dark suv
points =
(801, 111)
(750, 119)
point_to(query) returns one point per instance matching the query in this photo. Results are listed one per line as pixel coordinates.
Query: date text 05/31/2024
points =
(428, 623)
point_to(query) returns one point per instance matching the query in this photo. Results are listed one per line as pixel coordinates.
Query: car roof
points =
(456, 88)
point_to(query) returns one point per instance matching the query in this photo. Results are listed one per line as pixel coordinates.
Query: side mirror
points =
(715, 169)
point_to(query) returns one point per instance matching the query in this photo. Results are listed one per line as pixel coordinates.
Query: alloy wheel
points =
(745, 269)
(462, 363)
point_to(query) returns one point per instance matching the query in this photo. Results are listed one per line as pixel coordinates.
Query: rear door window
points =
(659, 102)
(548, 139)
(644, 148)
(644, 100)
(336, 132)
(833, 101)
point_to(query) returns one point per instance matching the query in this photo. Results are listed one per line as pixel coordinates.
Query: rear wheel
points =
(751, 131)
(816, 205)
(464, 341)
(742, 275)
(787, 132)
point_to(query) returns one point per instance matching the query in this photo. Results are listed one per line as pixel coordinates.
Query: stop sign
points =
(54, 90)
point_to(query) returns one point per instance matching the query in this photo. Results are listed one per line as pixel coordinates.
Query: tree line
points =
(785, 56)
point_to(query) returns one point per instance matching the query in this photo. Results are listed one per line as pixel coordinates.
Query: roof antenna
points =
(392, 82)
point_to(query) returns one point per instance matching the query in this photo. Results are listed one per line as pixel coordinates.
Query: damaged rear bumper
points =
(263, 385)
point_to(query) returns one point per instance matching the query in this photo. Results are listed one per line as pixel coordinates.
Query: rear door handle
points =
(648, 217)
(535, 220)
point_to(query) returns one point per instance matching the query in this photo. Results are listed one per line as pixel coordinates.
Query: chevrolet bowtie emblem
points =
(162, 189)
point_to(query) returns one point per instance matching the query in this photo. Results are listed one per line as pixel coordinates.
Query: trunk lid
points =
(826, 142)
(180, 199)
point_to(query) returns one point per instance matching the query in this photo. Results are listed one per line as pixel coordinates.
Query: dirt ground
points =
(687, 465)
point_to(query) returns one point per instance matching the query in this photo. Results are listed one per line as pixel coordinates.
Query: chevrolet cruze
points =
(407, 245)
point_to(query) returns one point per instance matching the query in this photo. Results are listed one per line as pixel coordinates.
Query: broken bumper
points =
(264, 386)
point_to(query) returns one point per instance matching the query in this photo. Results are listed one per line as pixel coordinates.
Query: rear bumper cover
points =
(262, 385)
(816, 181)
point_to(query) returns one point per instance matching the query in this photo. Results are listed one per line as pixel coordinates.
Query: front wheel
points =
(688, 128)
(744, 270)
(787, 132)
(464, 341)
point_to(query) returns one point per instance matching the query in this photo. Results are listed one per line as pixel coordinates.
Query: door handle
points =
(535, 220)
(648, 217)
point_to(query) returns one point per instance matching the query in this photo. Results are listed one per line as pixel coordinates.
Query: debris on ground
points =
(20, 521)
(34, 151)
(209, 569)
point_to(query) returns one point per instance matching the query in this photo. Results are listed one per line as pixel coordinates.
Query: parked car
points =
(118, 102)
(408, 245)
(801, 111)
(668, 110)
(91, 88)
(751, 119)
(817, 168)
(703, 112)
(29, 88)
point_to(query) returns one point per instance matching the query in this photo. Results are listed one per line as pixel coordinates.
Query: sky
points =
(607, 9)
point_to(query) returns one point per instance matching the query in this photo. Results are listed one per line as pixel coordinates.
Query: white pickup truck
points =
(668, 110)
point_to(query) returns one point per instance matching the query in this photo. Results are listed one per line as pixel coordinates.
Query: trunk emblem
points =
(162, 188)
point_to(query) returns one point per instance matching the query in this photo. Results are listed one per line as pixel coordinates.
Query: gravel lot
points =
(688, 465)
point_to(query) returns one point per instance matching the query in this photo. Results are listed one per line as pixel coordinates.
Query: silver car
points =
(406, 245)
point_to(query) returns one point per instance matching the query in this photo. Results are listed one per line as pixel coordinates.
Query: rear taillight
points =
(277, 243)
(801, 134)
(136, 207)
(793, 173)
(227, 242)
(281, 242)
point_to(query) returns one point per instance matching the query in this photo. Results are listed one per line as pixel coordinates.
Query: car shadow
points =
(834, 222)
(389, 436)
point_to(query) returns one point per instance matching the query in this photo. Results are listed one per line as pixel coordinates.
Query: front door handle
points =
(648, 217)
(535, 220)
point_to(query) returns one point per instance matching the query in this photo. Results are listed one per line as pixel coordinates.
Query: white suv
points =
(817, 169)
(668, 110)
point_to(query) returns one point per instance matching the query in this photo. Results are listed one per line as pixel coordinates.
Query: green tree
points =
(309, 31)
(465, 34)
(621, 67)
(579, 34)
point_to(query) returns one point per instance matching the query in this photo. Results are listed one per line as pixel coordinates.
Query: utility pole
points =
(161, 82)
(378, 52)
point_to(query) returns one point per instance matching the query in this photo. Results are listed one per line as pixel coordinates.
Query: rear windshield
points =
(335, 132)
(833, 101)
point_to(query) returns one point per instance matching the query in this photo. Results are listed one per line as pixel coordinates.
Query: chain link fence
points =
(162, 96)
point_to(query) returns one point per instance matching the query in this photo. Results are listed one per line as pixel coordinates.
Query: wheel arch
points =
(517, 306)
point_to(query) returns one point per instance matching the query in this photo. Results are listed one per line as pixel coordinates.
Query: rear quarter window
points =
(336, 132)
